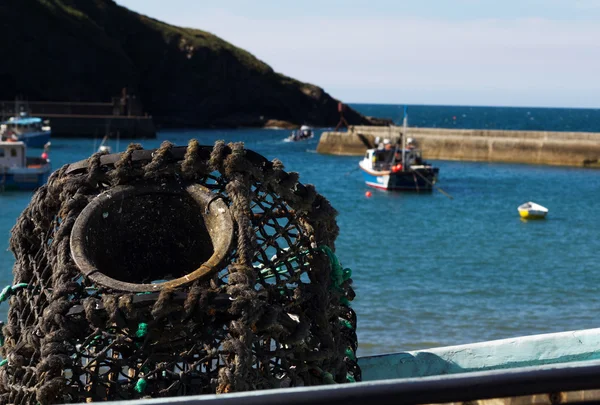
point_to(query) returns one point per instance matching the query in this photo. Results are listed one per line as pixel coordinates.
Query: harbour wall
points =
(93, 126)
(533, 147)
(122, 117)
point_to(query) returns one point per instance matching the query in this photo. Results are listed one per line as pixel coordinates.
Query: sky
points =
(543, 53)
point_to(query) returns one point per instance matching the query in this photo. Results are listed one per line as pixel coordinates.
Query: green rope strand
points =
(327, 378)
(10, 290)
(142, 330)
(346, 323)
(140, 385)
(350, 354)
(337, 271)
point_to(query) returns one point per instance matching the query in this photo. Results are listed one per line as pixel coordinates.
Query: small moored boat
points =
(398, 167)
(531, 210)
(305, 132)
(104, 146)
(32, 131)
(19, 172)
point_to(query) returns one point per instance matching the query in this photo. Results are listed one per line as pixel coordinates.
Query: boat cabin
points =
(22, 124)
(384, 159)
(12, 154)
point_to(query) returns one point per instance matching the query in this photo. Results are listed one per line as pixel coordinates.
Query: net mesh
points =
(274, 313)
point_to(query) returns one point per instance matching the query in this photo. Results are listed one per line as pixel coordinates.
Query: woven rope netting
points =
(272, 312)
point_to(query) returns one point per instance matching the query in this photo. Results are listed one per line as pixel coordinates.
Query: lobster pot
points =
(175, 271)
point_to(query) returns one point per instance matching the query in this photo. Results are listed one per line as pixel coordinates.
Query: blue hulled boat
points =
(32, 131)
(19, 172)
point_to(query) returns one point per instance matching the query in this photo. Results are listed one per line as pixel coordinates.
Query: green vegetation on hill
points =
(88, 50)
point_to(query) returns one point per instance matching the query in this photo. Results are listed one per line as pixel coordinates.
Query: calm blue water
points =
(428, 270)
(465, 117)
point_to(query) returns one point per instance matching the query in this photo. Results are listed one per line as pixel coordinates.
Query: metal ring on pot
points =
(151, 237)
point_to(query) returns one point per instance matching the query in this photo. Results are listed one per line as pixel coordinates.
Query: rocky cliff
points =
(88, 50)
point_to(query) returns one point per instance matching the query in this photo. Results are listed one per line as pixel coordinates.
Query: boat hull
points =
(532, 214)
(35, 139)
(291, 139)
(24, 179)
(410, 180)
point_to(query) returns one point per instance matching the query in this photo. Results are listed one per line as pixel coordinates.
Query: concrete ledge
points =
(533, 147)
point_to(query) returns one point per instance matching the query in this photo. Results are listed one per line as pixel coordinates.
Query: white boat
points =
(32, 131)
(398, 167)
(531, 210)
(20, 172)
(104, 147)
(305, 132)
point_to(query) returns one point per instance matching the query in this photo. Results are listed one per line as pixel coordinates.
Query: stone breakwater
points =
(533, 147)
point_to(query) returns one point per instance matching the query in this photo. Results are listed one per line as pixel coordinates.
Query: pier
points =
(123, 117)
(531, 147)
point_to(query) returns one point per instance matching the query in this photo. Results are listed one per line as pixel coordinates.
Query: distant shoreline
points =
(400, 105)
(489, 118)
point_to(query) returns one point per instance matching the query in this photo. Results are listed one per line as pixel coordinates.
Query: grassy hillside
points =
(88, 50)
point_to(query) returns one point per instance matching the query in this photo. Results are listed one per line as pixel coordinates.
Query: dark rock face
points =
(88, 50)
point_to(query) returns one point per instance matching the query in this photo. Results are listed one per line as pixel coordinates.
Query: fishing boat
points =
(20, 172)
(531, 210)
(305, 132)
(32, 131)
(398, 167)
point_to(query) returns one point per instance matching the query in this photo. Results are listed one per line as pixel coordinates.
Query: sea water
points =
(429, 270)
